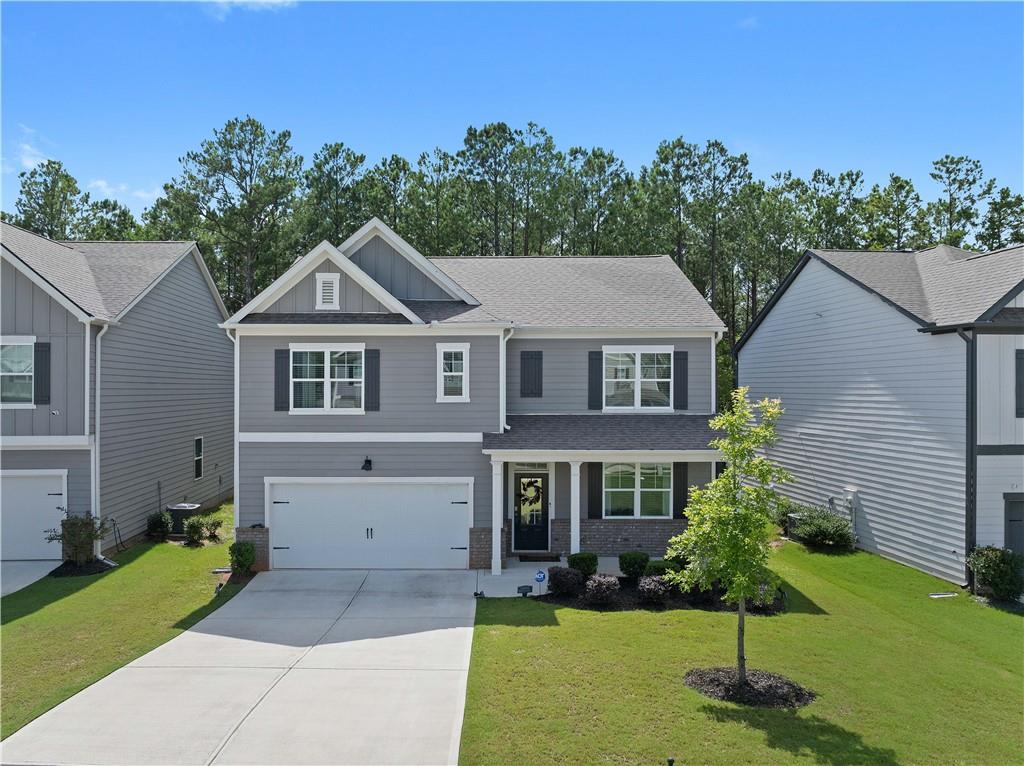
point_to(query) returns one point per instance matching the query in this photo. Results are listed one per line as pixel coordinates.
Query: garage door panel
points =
(404, 525)
(30, 504)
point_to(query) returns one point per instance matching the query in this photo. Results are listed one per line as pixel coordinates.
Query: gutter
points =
(971, 474)
(502, 376)
(233, 337)
(96, 504)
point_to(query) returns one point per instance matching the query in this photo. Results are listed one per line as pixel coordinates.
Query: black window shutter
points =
(372, 363)
(41, 373)
(282, 379)
(595, 388)
(680, 489)
(1020, 383)
(680, 378)
(531, 373)
(595, 488)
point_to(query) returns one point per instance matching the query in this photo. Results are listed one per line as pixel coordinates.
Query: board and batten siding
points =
(167, 377)
(25, 309)
(870, 404)
(997, 476)
(565, 372)
(393, 271)
(408, 387)
(258, 460)
(302, 298)
(997, 411)
(77, 462)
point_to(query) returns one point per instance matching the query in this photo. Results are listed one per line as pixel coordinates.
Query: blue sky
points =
(119, 91)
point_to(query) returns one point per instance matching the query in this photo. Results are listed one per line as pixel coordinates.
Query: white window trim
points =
(326, 348)
(21, 340)
(321, 278)
(637, 491)
(637, 351)
(441, 348)
(201, 458)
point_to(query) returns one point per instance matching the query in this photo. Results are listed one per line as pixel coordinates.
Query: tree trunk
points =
(741, 659)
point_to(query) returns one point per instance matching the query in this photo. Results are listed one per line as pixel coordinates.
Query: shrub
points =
(601, 589)
(159, 525)
(563, 581)
(195, 530)
(653, 589)
(78, 536)
(633, 563)
(1000, 570)
(211, 526)
(583, 562)
(243, 557)
(660, 567)
(823, 529)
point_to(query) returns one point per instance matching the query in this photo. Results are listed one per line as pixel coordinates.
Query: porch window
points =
(637, 378)
(637, 490)
(327, 379)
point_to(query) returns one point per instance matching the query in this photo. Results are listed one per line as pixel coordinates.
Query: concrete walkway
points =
(301, 667)
(15, 575)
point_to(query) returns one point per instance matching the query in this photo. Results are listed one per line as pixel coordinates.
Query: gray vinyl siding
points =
(408, 388)
(393, 271)
(302, 297)
(75, 461)
(258, 460)
(26, 310)
(871, 404)
(997, 476)
(167, 377)
(565, 372)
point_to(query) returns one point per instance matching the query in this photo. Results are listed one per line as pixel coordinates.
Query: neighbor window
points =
(637, 378)
(637, 490)
(1019, 382)
(453, 372)
(197, 457)
(16, 373)
(328, 287)
(327, 379)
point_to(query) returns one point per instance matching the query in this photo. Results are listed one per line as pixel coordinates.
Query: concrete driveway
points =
(301, 667)
(15, 575)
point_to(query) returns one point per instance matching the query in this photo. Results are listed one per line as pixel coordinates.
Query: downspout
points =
(502, 375)
(234, 480)
(96, 506)
(971, 480)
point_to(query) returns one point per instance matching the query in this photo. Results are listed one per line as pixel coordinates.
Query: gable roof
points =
(103, 280)
(939, 288)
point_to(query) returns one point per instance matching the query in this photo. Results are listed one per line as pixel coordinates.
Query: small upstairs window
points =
(197, 457)
(452, 372)
(328, 287)
(17, 372)
(1018, 383)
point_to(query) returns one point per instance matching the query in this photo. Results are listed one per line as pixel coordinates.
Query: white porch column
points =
(497, 515)
(574, 506)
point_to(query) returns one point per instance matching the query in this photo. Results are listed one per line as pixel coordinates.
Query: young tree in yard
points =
(730, 519)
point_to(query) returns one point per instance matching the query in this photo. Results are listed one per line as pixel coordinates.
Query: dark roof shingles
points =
(604, 432)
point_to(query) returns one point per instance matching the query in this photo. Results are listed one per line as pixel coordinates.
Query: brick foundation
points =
(260, 538)
(480, 547)
(610, 537)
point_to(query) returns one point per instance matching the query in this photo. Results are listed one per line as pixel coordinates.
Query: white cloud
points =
(747, 22)
(147, 195)
(220, 9)
(29, 155)
(123, 192)
(106, 189)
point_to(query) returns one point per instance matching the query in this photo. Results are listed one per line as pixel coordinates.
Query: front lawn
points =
(59, 635)
(901, 678)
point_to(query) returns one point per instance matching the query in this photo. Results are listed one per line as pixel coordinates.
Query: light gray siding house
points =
(399, 411)
(902, 378)
(115, 385)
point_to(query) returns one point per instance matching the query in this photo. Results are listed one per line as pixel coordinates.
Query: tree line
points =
(254, 205)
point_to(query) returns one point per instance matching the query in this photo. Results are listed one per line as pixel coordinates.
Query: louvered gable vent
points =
(327, 288)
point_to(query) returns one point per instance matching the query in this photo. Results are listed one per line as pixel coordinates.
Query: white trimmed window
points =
(17, 380)
(637, 490)
(327, 379)
(637, 378)
(453, 372)
(197, 457)
(328, 287)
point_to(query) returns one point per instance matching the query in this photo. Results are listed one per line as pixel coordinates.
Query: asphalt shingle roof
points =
(604, 432)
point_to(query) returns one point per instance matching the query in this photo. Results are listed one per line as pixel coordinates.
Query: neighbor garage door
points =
(30, 504)
(360, 524)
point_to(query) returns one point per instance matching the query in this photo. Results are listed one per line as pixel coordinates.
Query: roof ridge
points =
(69, 242)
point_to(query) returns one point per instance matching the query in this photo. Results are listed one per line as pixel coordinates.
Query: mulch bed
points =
(71, 569)
(763, 689)
(628, 599)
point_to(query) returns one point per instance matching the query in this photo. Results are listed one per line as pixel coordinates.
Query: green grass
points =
(901, 678)
(59, 635)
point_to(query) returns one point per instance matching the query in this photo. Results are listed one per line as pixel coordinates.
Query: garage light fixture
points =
(367, 464)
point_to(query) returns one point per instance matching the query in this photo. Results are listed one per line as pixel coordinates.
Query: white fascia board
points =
(80, 314)
(45, 442)
(610, 333)
(376, 227)
(365, 330)
(358, 437)
(605, 456)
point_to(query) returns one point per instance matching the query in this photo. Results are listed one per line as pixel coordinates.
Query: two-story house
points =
(902, 377)
(115, 385)
(399, 411)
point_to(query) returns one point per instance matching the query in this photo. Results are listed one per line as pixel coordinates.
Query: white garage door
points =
(30, 503)
(391, 524)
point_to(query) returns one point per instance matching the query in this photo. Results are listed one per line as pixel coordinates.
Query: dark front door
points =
(530, 495)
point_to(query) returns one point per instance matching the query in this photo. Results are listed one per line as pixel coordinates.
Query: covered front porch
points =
(622, 486)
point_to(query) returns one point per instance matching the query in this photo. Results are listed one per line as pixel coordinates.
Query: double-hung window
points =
(637, 378)
(17, 378)
(453, 372)
(327, 378)
(197, 457)
(637, 490)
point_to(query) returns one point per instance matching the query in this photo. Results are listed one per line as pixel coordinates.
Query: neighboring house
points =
(902, 378)
(400, 411)
(115, 385)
